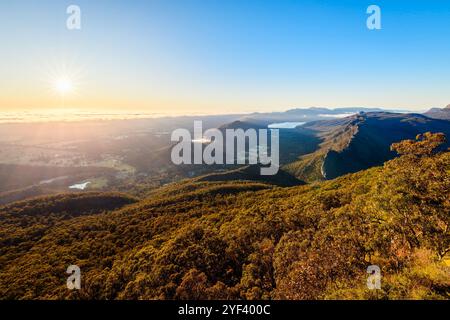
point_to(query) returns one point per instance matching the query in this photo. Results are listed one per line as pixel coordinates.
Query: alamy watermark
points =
(374, 20)
(73, 22)
(211, 147)
(74, 280)
(374, 279)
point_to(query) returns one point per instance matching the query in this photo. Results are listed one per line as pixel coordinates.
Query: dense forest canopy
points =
(242, 240)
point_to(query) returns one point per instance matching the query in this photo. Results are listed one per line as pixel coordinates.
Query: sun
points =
(63, 86)
(63, 79)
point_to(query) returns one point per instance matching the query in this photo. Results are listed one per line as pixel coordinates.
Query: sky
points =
(209, 56)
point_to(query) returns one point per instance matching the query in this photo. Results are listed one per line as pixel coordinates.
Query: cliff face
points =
(370, 138)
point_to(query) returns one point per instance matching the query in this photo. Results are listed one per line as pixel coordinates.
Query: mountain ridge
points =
(360, 142)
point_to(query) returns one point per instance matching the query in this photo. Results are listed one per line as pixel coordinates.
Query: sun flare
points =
(63, 86)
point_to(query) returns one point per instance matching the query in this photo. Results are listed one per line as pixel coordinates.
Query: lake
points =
(80, 186)
(285, 125)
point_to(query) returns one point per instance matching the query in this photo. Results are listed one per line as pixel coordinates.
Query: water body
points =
(80, 186)
(337, 115)
(285, 125)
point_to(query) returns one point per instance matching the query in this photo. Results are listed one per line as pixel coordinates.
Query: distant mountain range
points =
(439, 113)
(307, 115)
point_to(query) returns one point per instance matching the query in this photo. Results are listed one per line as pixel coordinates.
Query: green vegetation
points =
(241, 239)
(28, 221)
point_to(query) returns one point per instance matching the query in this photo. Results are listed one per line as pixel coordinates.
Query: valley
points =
(134, 155)
(109, 200)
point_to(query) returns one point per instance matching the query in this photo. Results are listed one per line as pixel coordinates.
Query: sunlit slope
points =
(26, 223)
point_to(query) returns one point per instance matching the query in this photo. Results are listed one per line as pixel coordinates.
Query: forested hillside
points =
(244, 240)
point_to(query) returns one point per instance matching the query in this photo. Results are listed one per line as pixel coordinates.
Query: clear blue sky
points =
(226, 56)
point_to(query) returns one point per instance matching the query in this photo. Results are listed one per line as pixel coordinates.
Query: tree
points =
(424, 145)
